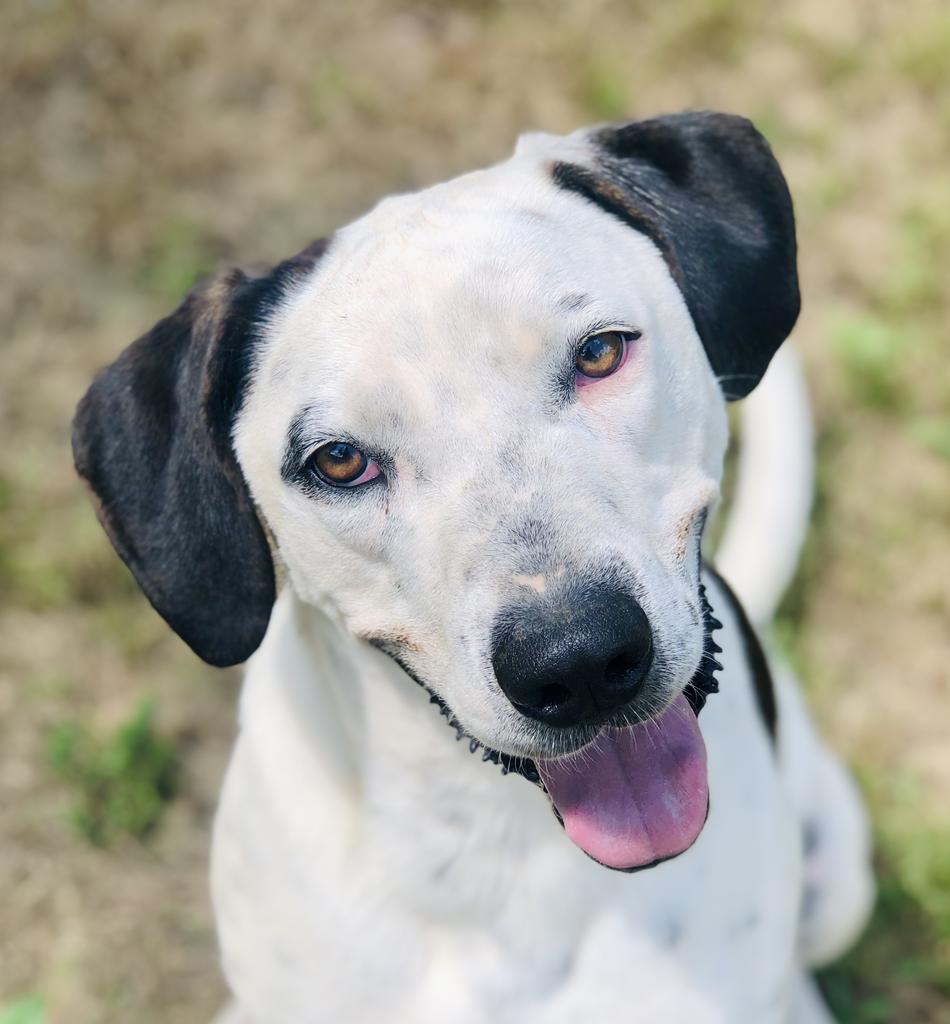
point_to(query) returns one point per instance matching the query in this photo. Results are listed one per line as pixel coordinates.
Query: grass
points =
(181, 254)
(924, 53)
(604, 89)
(933, 432)
(122, 783)
(25, 1011)
(902, 960)
(869, 350)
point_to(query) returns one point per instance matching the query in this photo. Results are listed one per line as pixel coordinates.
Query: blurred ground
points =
(144, 143)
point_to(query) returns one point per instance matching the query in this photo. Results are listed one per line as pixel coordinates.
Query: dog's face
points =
(442, 341)
(481, 427)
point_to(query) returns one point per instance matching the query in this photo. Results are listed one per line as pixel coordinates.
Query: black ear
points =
(152, 437)
(707, 190)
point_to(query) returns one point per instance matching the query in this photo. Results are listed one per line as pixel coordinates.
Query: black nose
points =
(575, 660)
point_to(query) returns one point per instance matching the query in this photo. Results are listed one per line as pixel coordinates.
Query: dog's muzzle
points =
(637, 793)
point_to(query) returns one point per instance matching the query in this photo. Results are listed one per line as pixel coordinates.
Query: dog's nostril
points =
(618, 668)
(624, 673)
(552, 695)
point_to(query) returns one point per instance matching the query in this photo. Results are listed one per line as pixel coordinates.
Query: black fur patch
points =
(705, 188)
(152, 438)
(755, 656)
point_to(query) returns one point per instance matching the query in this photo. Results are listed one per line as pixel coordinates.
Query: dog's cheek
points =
(678, 635)
(682, 511)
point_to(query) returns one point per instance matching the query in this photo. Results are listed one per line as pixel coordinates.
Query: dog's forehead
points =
(508, 228)
(434, 293)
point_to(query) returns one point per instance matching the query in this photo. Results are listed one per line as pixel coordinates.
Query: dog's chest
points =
(545, 937)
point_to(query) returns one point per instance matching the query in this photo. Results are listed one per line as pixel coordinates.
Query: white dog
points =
(480, 430)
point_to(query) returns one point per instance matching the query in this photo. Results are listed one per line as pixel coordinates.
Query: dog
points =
(508, 749)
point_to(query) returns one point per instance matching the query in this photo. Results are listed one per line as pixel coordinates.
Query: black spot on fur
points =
(755, 657)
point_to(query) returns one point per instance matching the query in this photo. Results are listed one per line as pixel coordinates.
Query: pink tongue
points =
(635, 795)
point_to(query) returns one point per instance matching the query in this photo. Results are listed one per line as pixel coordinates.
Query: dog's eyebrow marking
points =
(574, 302)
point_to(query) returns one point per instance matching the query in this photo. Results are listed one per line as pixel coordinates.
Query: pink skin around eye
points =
(583, 381)
(370, 473)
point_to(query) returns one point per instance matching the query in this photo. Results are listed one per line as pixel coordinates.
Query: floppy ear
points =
(707, 190)
(152, 437)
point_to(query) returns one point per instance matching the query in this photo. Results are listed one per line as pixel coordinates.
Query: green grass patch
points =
(53, 554)
(833, 190)
(337, 93)
(29, 1010)
(833, 63)
(868, 349)
(901, 966)
(783, 135)
(900, 969)
(180, 255)
(924, 55)
(122, 782)
(916, 281)
(329, 85)
(933, 433)
(604, 90)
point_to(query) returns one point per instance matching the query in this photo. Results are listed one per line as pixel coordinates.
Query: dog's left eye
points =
(340, 464)
(602, 354)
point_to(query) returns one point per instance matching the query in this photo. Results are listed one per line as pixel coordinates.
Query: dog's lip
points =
(627, 716)
(631, 715)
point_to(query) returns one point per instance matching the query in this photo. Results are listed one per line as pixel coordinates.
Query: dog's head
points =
(481, 428)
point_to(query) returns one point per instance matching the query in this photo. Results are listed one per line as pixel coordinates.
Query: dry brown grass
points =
(143, 143)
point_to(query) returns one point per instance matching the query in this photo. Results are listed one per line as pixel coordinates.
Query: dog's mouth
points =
(637, 794)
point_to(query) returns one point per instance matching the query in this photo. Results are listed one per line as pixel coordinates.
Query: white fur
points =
(366, 866)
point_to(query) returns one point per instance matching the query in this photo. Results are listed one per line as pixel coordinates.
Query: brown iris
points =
(339, 463)
(601, 354)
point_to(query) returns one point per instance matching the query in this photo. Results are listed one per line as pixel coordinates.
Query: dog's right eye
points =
(341, 464)
(602, 354)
